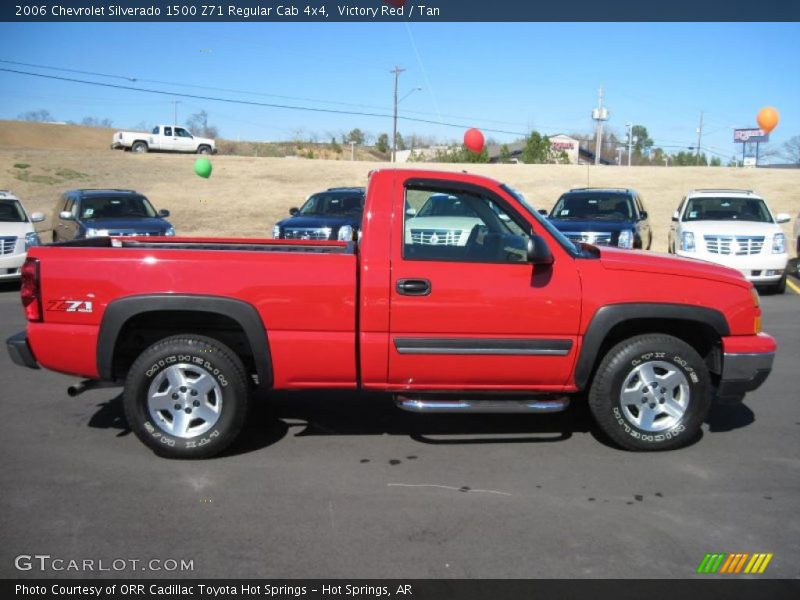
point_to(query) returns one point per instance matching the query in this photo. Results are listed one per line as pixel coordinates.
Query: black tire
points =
(780, 287)
(204, 150)
(205, 357)
(139, 147)
(666, 356)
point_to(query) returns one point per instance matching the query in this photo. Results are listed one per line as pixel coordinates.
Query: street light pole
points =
(630, 141)
(396, 71)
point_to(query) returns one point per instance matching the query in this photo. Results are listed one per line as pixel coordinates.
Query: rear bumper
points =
(20, 352)
(746, 364)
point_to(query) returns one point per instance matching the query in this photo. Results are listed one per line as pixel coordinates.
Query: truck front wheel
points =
(186, 396)
(651, 392)
(204, 150)
(139, 147)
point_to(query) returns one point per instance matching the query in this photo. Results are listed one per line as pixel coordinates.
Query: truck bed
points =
(304, 293)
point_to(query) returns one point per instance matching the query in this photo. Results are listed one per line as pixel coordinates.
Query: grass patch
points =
(44, 179)
(70, 174)
(21, 165)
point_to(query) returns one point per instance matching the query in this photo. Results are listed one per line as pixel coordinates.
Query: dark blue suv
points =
(603, 217)
(334, 214)
(94, 213)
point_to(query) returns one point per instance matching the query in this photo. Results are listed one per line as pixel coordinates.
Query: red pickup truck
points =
(476, 304)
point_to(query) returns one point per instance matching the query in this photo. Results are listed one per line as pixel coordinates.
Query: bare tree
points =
(791, 150)
(198, 123)
(40, 116)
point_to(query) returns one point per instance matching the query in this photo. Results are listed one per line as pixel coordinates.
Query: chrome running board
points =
(431, 404)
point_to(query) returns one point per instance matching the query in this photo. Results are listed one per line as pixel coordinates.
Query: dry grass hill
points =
(246, 195)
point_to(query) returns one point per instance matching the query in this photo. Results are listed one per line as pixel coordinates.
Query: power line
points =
(254, 93)
(253, 103)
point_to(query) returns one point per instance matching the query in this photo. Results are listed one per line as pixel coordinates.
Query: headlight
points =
(345, 233)
(96, 232)
(276, 232)
(625, 239)
(170, 231)
(687, 241)
(779, 244)
(31, 239)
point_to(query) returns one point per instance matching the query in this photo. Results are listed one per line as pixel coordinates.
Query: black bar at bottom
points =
(707, 587)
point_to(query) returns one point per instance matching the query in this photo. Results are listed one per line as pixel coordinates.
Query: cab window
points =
(454, 225)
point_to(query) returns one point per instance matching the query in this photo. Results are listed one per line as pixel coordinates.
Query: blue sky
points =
(508, 76)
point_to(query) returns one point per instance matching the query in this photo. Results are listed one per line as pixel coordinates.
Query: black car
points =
(94, 213)
(603, 217)
(334, 214)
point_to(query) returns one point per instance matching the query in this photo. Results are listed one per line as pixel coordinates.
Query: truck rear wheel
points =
(186, 396)
(651, 392)
(140, 147)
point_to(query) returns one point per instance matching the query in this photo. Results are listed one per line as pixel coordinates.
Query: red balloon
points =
(473, 140)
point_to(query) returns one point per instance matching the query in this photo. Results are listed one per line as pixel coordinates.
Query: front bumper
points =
(10, 265)
(20, 352)
(746, 364)
(753, 266)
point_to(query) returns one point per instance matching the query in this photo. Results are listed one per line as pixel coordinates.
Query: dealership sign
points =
(750, 136)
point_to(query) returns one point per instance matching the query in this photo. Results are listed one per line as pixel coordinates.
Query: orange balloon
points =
(767, 118)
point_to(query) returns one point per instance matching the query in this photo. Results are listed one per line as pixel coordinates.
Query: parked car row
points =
(734, 228)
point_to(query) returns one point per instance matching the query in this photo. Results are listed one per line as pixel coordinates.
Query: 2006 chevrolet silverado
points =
(489, 309)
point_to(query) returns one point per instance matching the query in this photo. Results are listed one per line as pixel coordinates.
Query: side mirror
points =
(163, 212)
(538, 252)
(411, 212)
(542, 211)
(675, 216)
(643, 215)
(37, 217)
(783, 218)
(66, 215)
(294, 210)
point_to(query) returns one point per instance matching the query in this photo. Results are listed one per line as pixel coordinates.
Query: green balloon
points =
(202, 166)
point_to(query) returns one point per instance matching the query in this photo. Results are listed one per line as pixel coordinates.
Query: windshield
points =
(727, 209)
(570, 247)
(11, 212)
(116, 208)
(334, 204)
(593, 206)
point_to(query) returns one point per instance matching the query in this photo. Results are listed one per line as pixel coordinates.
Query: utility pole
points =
(352, 151)
(396, 71)
(630, 141)
(599, 115)
(175, 112)
(620, 150)
(699, 140)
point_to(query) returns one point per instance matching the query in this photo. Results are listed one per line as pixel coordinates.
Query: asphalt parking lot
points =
(342, 485)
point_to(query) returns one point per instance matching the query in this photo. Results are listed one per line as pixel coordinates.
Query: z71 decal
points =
(82, 306)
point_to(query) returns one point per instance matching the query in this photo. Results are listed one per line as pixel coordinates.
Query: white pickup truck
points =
(163, 138)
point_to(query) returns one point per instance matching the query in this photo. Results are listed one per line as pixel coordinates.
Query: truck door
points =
(167, 140)
(184, 142)
(467, 311)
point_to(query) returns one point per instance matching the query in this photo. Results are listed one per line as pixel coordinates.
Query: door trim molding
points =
(484, 346)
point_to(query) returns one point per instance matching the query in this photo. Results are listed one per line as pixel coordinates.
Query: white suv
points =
(16, 235)
(734, 228)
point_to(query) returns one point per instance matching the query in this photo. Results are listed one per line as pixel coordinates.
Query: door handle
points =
(413, 287)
